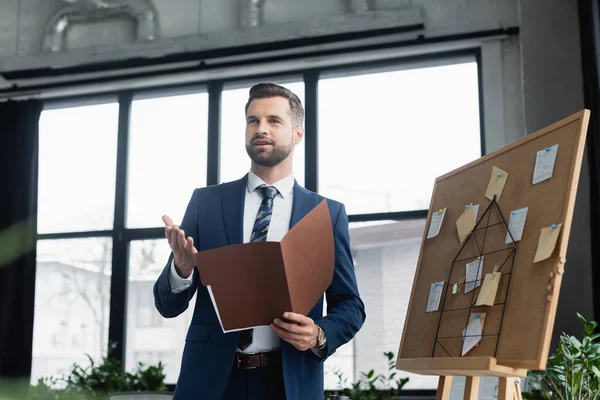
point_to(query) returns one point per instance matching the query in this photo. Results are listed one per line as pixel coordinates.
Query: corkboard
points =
(518, 328)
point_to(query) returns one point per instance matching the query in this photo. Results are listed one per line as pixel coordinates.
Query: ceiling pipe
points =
(142, 12)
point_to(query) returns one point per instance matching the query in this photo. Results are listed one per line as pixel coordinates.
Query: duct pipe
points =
(141, 11)
(251, 13)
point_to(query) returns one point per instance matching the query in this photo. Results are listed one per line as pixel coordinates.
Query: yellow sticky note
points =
(547, 242)
(487, 294)
(496, 184)
(466, 223)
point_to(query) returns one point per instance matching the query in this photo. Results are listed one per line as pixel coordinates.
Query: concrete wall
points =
(22, 21)
(553, 89)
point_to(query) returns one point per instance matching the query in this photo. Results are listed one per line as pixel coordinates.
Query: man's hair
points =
(266, 90)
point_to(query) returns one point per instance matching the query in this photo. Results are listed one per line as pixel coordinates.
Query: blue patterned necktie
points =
(259, 234)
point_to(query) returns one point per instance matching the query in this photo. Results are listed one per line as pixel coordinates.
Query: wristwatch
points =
(321, 338)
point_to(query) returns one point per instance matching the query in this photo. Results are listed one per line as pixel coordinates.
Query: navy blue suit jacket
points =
(214, 218)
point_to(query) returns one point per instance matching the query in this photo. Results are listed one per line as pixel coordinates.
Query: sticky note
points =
(516, 224)
(455, 288)
(496, 184)
(474, 272)
(473, 332)
(436, 223)
(544, 164)
(547, 243)
(466, 222)
(487, 294)
(435, 294)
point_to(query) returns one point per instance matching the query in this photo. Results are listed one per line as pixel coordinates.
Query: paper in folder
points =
(253, 283)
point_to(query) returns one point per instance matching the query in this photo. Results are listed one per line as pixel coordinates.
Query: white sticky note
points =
(544, 164)
(435, 294)
(473, 334)
(474, 271)
(476, 211)
(516, 224)
(436, 223)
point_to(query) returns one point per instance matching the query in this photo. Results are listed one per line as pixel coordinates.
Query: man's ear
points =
(298, 133)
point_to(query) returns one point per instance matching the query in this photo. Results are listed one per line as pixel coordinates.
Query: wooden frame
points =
(518, 338)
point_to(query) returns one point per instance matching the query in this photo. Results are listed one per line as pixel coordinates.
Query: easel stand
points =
(508, 388)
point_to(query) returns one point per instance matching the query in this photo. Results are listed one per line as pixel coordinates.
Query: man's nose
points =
(262, 127)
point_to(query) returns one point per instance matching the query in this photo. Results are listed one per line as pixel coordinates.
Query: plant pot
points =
(140, 396)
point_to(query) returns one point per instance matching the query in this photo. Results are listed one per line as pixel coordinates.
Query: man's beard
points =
(266, 158)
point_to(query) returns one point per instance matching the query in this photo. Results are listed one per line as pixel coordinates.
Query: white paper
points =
(516, 224)
(212, 298)
(472, 335)
(544, 164)
(436, 223)
(476, 211)
(435, 294)
(474, 271)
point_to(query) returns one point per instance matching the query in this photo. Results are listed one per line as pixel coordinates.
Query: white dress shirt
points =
(264, 339)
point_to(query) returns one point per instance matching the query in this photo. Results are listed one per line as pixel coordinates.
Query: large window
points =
(77, 165)
(109, 170)
(393, 132)
(167, 156)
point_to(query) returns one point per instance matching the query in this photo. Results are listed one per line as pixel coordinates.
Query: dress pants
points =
(265, 383)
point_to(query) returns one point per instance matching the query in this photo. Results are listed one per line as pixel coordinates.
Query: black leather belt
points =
(257, 360)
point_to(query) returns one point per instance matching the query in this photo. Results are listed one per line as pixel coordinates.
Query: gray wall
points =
(553, 89)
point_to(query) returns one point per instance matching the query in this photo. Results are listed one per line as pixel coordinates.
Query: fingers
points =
(298, 318)
(181, 240)
(168, 221)
(301, 342)
(289, 326)
(190, 245)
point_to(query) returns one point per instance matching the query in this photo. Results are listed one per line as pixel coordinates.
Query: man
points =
(285, 359)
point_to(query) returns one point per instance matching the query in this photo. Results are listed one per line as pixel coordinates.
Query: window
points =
(167, 157)
(77, 166)
(393, 132)
(149, 335)
(385, 132)
(72, 299)
(235, 162)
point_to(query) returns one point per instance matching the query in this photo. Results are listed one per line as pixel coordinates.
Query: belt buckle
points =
(239, 361)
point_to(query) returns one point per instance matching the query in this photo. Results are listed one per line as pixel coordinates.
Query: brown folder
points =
(251, 284)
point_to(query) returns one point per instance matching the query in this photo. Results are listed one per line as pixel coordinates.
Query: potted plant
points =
(573, 372)
(371, 386)
(102, 380)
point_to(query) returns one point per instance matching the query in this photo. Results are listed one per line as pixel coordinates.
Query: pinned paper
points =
(472, 335)
(516, 224)
(474, 272)
(487, 294)
(436, 223)
(435, 294)
(544, 164)
(547, 242)
(455, 288)
(496, 184)
(466, 222)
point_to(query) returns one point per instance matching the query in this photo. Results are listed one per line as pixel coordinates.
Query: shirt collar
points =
(283, 186)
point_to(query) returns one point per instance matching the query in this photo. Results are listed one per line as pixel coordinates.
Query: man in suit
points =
(285, 359)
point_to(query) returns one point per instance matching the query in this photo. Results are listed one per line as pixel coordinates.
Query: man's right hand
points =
(183, 249)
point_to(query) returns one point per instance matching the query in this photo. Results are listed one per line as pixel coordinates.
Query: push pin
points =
(553, 226)
(441, 211)
(548, 149)
(467, 206)
(476, 316)
(499, 175)
(513, 213)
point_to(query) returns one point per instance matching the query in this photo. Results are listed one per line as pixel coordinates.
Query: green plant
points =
(98, 379)
(371, 386)
(573, 372)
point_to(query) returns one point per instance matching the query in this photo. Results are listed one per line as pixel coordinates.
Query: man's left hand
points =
(298, 330)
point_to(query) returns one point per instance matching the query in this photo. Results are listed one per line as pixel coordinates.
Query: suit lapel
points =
(233, 196)
(304, 202)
